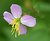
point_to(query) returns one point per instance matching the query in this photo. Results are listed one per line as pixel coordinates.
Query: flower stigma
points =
(15, 26)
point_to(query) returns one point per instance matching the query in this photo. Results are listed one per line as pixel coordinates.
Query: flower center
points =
(15, 26)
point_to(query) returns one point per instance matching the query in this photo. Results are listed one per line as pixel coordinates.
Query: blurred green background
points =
(40, 9)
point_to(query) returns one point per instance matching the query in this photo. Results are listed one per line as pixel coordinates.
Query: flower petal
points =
(23, 29)
(28, 20)
(8, 17)
(16, 10)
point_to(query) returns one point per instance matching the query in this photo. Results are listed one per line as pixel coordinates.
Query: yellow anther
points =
(15, 27)
(12, 28)
(13, 21)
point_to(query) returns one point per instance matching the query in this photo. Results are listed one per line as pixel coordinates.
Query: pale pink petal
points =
(23, 29)
(8, 17)
(16, 10)
(28, 20)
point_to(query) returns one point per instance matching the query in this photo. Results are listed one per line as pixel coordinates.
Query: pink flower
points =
(14, 18)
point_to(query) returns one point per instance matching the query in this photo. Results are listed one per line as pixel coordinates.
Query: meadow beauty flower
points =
(14, 18)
